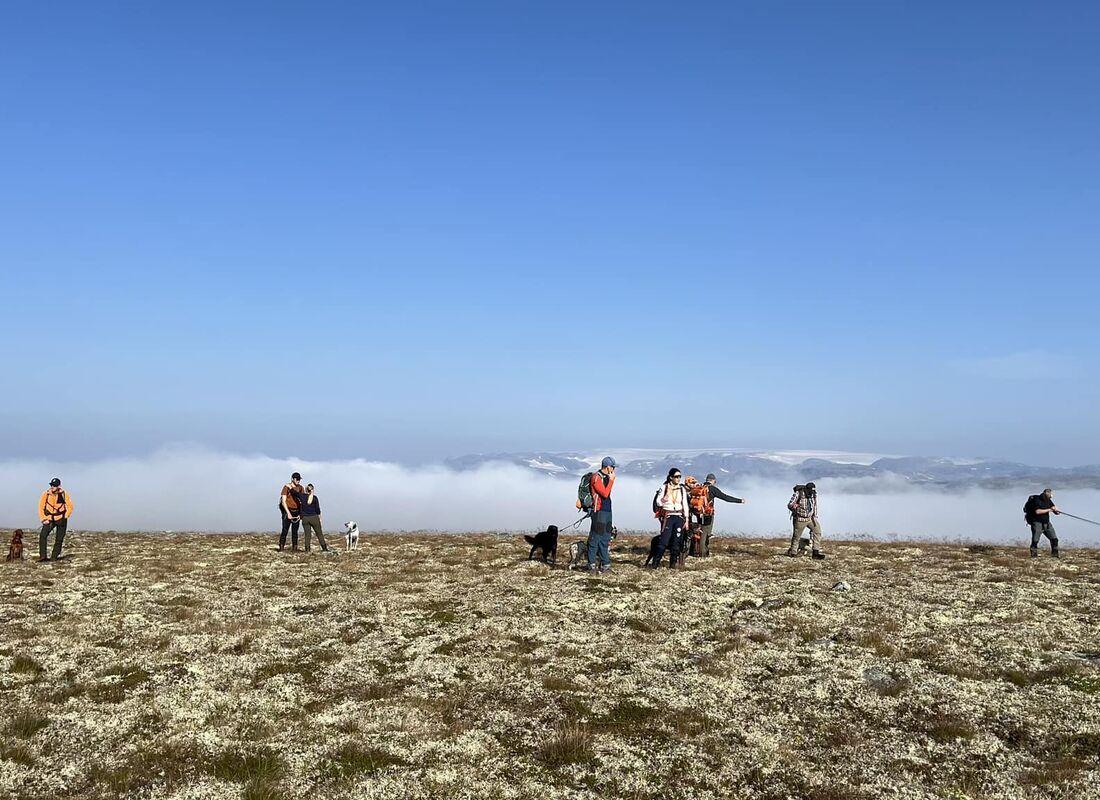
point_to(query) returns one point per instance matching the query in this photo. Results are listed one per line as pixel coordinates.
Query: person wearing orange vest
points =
(55, 506)
(290, 509)
(706, 520)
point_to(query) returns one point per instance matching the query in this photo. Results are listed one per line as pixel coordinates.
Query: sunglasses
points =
(676, 477)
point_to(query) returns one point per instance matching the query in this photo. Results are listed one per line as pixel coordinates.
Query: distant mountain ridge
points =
(735, 466)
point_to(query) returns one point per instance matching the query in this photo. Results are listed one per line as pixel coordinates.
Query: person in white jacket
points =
(672, 505)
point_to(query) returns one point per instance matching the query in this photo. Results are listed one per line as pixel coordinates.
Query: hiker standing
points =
(1037, 512)
(706, 518)
(803, 508)
(311, 518)
(673, 506)
(55, 506)
(290, 509)
(599, 537)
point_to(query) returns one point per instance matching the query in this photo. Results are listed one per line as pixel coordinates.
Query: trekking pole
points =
(1090, 521)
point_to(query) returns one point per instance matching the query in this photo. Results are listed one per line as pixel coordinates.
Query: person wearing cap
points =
(290, 509)
(1037, 513)
(55, 506)
(706, 520)
(803, 508)
(599, 538)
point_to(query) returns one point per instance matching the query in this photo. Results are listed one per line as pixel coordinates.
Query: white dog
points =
(352, 535)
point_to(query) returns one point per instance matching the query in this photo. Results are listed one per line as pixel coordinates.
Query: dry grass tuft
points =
(352, 760)
(26, 724)
(570, 743)
(25, 665)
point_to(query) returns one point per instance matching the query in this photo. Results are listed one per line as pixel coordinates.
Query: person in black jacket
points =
(706, 521)
(311, 517)
(1037, 513)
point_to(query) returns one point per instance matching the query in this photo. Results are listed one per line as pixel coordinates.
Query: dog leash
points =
(575, 524)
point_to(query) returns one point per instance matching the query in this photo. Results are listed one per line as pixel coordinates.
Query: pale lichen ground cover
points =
(194, 666)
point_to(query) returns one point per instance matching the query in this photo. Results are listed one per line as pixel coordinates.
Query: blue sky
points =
(413, 230)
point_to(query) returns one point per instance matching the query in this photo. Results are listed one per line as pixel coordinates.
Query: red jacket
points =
(601, 488)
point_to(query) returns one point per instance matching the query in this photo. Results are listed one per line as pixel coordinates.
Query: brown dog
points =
(15, 550)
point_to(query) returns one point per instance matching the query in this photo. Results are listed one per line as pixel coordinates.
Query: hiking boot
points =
(817, 555)
(593, 568)
(42, 560)
(605, 569)
(1034, 553)
(793, 554)
(1054, 554)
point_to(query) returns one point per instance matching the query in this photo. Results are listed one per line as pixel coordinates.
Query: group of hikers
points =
(684, 509)
(683, 506)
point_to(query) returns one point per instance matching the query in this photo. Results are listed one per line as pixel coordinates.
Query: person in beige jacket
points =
(672, 506)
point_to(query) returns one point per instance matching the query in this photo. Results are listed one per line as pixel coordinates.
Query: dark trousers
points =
(58, 527)
(291, 526)
(700, 546)
(599, 540)
(671, 539)
(1040, 529)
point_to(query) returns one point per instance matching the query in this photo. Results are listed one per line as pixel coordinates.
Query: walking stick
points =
(1090, 521)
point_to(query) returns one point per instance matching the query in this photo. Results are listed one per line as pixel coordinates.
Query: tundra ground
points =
(421, 666)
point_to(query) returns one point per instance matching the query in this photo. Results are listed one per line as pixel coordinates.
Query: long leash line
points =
(1090, 521)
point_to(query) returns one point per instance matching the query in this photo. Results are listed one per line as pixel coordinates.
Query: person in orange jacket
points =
(599, 539)
(55, 506)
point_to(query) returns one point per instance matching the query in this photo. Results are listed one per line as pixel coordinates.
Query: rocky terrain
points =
(206, 666)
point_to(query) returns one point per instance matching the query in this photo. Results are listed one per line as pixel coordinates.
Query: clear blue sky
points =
(413, 230)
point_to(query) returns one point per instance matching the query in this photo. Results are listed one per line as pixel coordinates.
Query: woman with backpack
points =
(672, 506)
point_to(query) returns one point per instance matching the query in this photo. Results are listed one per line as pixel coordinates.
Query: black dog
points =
(650, 560)
(546, 541)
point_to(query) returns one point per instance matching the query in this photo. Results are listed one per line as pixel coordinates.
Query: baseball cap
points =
(55, 482)
(710, 477)
(297, 476)
(608, 461)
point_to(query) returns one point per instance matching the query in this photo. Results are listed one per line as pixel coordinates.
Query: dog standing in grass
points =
(547, 542)
(352, 536)
(15, 549)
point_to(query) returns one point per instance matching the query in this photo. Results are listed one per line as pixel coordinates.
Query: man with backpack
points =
(702, 506)
(599, 537)
(290, 509)
(1037, 511)
(803, 508)
(55, 506)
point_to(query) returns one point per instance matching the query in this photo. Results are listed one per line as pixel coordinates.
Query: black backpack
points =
(1029, 508)
(585, 499)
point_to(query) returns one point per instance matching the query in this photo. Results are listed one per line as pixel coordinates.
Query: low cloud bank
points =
(199, 490)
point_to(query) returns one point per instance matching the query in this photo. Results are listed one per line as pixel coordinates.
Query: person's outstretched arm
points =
(729, 498)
